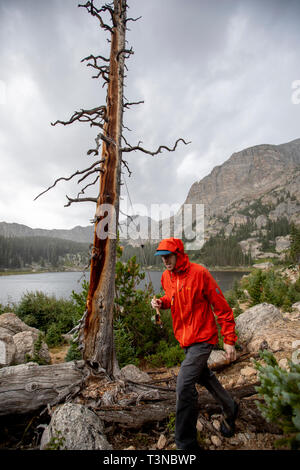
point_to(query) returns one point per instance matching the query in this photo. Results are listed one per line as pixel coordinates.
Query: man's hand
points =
(156, 303)
(230, 351)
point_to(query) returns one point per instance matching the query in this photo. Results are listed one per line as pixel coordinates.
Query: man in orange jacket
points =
(190, 293)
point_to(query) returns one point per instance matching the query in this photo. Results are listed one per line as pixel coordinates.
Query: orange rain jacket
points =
(191, 292)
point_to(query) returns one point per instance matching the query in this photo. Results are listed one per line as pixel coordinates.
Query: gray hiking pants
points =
(194, 370)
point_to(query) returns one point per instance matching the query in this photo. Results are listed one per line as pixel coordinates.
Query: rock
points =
(240, 380)
(291, 273)
(130, 448)
(14, 324)
(283, 363)
(264, 327)
(251, 245)
(5, 331)
(261, 221)
(74, 427)
(243, 437)
(238, 219)
(268, 254)
(217, 357)
(25, 344)
(131, 372)
(282, 243)
(216, 424)
(296, 307)
(216, 441)
(161, 442)
(263, 266)
(68, 338)
(279, 337)
(199, 425)
(256, 319)
(248, 372)
(7, 349)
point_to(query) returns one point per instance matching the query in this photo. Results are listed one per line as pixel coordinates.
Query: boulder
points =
(263, 266)
(131, 372)
(5, 331)
(217, 357)
(74, 427)
(7, 349)
(251, 245)
(280, 337)
(255, 320)
(11, 322)
(282, 243)
(25, 343)
(296, 307)
(264, 327)
(248, 372)
(261, 221)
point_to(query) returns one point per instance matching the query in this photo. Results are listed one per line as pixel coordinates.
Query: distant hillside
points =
(41, 252)
(77, 234)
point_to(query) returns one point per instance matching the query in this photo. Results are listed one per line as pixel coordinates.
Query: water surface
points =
(61, 284)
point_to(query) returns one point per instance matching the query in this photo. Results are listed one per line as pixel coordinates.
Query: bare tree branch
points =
(95, 170)
(125, 51)
(78, 199)
(126, 105)
(141, 149)
(96, 150)
(90, 7)
(90, 184)
(69, 178)
(86, 115)
(127, 167)
(95, 58)
(133, 19)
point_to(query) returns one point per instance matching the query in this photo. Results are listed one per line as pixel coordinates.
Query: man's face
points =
(169, 261)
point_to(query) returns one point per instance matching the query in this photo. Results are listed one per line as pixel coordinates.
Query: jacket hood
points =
(176, 246)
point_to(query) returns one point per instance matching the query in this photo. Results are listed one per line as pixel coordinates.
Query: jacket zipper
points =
(183, 337)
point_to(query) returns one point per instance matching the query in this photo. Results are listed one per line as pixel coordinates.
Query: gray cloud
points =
(217, 73)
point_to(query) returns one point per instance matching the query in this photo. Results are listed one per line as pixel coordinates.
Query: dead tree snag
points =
(96, 327)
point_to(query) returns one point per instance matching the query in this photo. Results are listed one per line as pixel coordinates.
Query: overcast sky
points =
(218, 73)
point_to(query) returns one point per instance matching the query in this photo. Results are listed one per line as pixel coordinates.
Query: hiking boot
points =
(227, 428)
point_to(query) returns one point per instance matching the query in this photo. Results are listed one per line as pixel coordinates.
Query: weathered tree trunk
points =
(27, 387)
(98, 344)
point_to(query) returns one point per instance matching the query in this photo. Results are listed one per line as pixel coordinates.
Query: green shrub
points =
(80, 298)
(166, 355)
(132, 307)
(124, 344)
(53, 336)
(73, 353)
(41, 311)
(280, 390)
(269, 286)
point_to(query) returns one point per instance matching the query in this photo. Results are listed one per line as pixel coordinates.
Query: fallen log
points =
(134, 417)
(28, 387)
(138, 415)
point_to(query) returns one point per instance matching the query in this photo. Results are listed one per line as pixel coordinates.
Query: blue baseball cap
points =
(162, 252)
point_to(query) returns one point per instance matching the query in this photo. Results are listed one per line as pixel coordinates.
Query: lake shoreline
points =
(16, 272)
